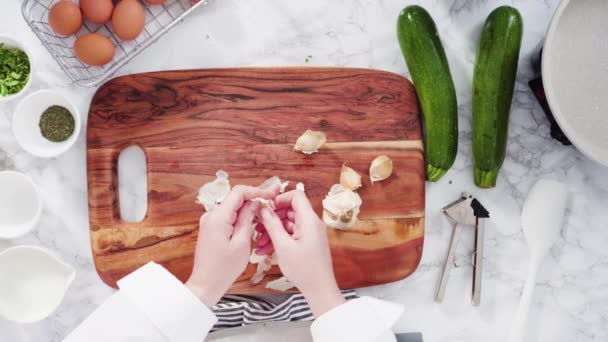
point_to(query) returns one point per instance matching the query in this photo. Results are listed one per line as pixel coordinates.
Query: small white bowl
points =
(20, 204)
(26, 121)
(14, 43)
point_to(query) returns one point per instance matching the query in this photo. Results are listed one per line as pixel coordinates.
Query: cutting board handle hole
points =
(132, 184)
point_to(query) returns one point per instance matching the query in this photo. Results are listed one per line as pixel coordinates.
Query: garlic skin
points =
(211, 194)
(280, 284)
(270, 182)
(310, 142)
(349, 178)
(264, 203)
(380, 169)
(283, 186)
(264, 262)
(341, 207)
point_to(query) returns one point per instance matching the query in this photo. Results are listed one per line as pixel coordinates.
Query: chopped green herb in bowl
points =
(14, 70)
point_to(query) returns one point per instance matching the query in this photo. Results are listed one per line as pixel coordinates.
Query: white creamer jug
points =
(33, 282)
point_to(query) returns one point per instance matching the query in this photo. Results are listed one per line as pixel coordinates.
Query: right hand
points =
(304, 256)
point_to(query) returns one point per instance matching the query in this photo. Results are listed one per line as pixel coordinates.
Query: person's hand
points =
(299, 238)
(224, 243)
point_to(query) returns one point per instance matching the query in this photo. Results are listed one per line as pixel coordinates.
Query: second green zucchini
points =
(493, 84)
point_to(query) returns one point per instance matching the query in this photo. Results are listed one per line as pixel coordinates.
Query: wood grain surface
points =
(245, 121)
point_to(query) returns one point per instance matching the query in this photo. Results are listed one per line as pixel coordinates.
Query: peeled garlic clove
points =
(380, 169)
(310, 142)
(211, 194)
(341, 207)
(349, 178)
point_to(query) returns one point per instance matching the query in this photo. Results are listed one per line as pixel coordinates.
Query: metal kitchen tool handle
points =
(477, 263)
(465, 211)
(449, 263)
(480, 213)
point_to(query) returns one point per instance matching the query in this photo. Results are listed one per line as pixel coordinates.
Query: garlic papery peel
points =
(254, 258)
(213, 193)
(268, 203)
(349, 178)
(271, 182)
(341, 207)
(310, 142)
(280, 284)
(283, 186)
(264, 203)
(380, 169)
(264, 263)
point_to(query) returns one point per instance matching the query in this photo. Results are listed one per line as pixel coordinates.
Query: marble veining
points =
(571, 300)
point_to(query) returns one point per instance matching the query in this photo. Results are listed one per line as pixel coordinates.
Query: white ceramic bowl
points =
(575, 74)
(27, 117)
(12, 42)
(34, 283)
(20, 204)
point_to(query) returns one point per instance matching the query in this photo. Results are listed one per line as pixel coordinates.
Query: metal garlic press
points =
(464, 211)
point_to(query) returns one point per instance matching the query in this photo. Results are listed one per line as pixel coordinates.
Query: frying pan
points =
(575, 74)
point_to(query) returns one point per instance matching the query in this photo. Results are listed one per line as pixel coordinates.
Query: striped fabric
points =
(236, 311)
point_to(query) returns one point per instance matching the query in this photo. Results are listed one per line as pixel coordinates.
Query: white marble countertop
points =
(571, 300)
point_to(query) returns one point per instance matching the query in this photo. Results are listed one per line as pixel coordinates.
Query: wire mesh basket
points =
(159, 19)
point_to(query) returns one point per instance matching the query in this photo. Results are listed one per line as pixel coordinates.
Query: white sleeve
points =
(363, 319)
(151, 306)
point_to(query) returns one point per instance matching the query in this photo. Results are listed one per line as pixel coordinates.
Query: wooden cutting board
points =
(245, 121)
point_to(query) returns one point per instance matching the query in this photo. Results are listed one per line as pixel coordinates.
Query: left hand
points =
(224, 243)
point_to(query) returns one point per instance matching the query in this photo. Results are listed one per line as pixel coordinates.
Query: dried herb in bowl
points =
(57, 124)
(14, 70)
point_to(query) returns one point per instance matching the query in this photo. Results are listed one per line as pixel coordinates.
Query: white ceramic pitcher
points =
(33, 282)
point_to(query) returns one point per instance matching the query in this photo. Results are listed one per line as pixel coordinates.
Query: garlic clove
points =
(310, 142)
(349, 178)
(380, 169)
(300, 186)
(341, 207)
(211, 194)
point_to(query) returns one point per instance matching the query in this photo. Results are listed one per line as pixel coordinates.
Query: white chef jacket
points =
(154, 306)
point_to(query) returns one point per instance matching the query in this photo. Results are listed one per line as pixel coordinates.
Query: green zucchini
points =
(493, 84)
(428, 65)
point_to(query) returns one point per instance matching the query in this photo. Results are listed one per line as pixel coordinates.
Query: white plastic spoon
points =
(541, 218)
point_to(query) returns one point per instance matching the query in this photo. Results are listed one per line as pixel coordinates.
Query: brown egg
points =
(97, 11)
(94, 49)
(65, 18)
(128, 19)
(156, 2)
